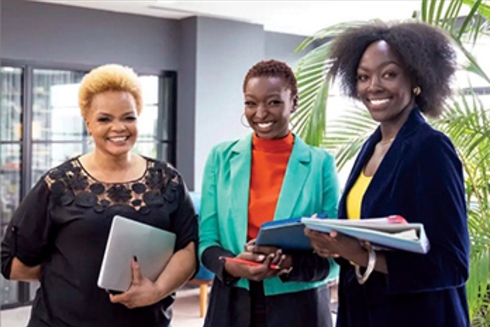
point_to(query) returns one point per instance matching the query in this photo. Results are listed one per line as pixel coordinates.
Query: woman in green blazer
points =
(245, 296)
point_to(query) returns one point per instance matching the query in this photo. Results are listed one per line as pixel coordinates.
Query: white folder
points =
(386, 233)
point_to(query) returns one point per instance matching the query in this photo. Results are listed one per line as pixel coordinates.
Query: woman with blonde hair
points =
(58, 233)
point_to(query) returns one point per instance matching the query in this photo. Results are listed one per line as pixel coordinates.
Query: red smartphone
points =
(247, 262)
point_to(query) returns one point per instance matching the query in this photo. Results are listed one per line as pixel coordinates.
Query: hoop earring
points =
(417, 90)
(241, 121)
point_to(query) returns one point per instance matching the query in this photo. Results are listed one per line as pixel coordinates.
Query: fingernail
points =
(261, 257)
(272, 255)
(135, 258)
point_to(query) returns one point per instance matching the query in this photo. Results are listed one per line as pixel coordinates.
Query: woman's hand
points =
(270, 257)
(286, 262)
(334, 244)
(143, 292)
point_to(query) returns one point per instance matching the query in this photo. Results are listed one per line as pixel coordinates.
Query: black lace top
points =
(63, 224)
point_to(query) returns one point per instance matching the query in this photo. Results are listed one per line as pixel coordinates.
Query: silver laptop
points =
(152, 246)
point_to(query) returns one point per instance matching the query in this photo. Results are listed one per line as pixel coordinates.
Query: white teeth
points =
(118, 139)
(379, 101)
(264, 125)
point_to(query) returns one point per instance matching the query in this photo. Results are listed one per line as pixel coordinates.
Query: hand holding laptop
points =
(141, 293)
(135, 256)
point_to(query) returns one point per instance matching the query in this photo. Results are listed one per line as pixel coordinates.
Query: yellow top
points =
(354, 198)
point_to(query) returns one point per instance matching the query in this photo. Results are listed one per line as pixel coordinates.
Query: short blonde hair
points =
(105, 78)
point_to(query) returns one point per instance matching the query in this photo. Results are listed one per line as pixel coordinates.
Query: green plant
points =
(466, 121)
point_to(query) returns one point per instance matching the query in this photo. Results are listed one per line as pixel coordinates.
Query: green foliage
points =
(467, 122)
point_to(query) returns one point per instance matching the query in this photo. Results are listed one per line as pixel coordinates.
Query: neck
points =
(390, 129)
(109, 162)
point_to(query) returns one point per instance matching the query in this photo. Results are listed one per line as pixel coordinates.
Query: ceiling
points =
(293, 17)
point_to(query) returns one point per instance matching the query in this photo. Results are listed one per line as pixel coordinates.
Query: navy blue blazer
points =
(421, 179)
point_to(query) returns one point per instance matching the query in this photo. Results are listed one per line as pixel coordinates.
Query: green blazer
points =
(310, 186)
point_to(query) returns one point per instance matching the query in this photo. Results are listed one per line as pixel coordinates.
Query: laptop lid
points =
(127, 238)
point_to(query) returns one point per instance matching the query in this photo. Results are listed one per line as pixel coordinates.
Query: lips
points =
(118, 139)
(264, 125)
(378, 103)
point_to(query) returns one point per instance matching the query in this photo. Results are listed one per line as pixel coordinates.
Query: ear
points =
(295, 103)
(87, 126)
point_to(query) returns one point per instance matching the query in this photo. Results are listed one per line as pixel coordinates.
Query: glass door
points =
(11, 101)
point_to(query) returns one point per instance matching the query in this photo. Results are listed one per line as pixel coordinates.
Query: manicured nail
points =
(260, 257)
(135, 258)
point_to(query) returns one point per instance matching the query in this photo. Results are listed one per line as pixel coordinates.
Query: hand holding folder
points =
(286, 234)
(392, 232)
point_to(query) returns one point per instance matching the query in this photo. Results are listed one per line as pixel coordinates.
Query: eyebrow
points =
(110, 115)
(384, 64)
(269, 95)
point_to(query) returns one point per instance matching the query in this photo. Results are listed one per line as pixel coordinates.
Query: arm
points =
(143, 292)
(27, 239)
(347, 249)
(437, 201)
(441, 207)
(180, 268)
(210, 248)
(21, 272)
(307, 266)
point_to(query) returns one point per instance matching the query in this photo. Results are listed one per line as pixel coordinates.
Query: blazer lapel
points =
(240, 165)
(389, 166)
(297, 172)
(382, 178)
(387, 169)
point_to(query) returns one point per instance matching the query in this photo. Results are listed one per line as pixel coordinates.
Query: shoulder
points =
(60, 172)
(432, 148)
(223, 148)
(321, 153)
(164, 168)
(427, 138)
(316, 153)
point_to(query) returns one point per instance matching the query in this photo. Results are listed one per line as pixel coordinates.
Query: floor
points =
(186, 312)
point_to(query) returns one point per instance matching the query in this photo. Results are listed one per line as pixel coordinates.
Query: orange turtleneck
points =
(269, 162)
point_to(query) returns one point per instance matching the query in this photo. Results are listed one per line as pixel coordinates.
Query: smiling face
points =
(383, 85)
(268, 106)
(112, 122)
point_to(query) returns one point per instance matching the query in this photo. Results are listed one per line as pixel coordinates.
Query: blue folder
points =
(286, 234)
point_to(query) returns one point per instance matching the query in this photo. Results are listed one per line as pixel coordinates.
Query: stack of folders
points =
(390, 233)
(286, 234)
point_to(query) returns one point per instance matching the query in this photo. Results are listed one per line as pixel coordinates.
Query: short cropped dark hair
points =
(425, 51)
(273, 68)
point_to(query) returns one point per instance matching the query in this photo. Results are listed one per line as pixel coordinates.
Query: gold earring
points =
(417, 90)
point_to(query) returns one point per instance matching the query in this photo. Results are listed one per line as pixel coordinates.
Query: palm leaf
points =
(466, 122)
(469, 29)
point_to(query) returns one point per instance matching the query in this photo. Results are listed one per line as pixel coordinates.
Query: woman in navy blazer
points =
(407, 168)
